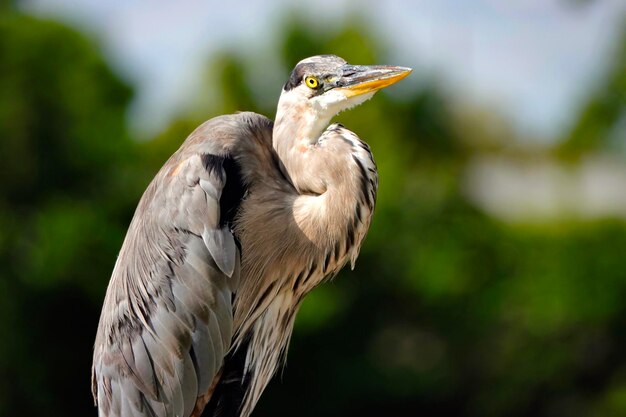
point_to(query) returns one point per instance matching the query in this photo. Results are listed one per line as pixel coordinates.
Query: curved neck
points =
(296, 131)
(331, 169)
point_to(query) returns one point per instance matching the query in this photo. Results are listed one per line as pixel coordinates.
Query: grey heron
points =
(243, 220)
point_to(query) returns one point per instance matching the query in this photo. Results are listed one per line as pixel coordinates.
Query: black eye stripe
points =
(321, 64)
(297, 75)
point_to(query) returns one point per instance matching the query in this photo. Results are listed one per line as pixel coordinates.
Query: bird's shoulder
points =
(229, 134)
(167, 318)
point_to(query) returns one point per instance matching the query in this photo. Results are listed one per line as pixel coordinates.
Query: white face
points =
(309, 114)
(335, 101)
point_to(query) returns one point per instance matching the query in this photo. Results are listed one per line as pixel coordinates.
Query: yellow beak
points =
(361, 79)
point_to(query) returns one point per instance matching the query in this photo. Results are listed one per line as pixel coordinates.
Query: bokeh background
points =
(493, 280)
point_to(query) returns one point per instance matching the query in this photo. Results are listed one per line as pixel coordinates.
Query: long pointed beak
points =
(361, 79)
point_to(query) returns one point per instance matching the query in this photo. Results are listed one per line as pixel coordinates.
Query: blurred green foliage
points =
(449, 311)
(67, 192)
(602, 123)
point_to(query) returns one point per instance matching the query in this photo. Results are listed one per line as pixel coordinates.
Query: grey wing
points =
(166, 323)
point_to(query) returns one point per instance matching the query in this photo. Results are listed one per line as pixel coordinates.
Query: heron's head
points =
(321, 86)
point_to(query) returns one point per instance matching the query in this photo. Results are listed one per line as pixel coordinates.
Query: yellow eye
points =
(311, 82)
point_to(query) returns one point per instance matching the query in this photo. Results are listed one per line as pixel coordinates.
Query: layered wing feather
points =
(166, 323)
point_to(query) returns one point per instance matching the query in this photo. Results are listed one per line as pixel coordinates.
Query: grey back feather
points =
(167, 319)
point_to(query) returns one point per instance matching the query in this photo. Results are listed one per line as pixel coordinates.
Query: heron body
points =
(240, 223)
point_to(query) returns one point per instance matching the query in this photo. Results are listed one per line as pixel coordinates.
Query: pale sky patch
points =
(532, 60)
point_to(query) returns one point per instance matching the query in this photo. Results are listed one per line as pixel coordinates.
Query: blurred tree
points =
(602, 121)
(65, 202)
